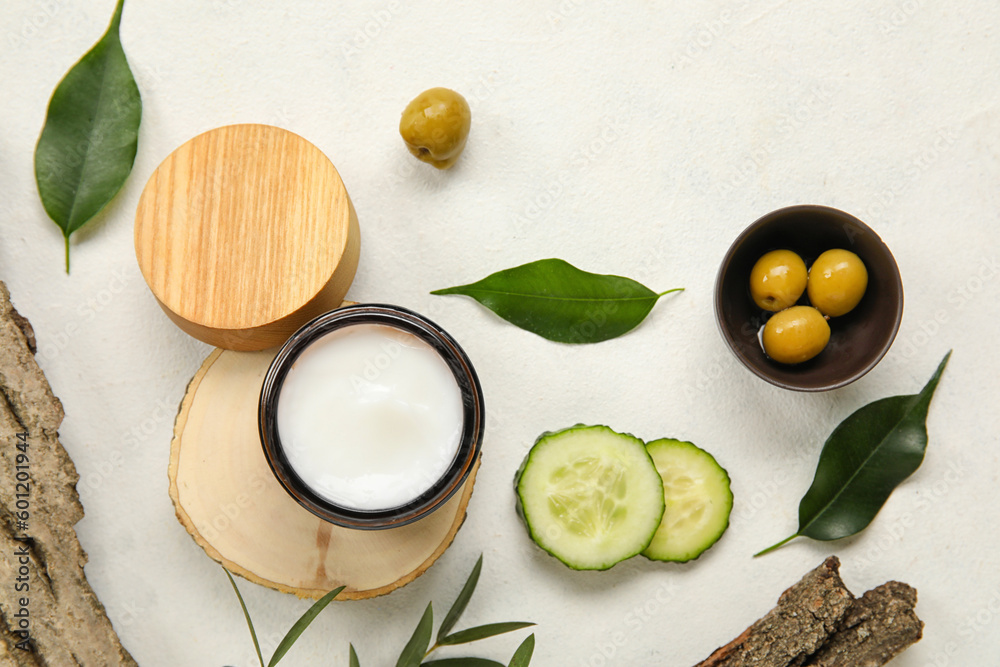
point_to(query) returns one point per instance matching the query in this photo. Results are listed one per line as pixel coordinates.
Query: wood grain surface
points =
(226, 496)
(244, 233)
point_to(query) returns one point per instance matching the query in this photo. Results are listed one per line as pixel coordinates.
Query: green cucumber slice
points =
(589, 496)
(698, 501)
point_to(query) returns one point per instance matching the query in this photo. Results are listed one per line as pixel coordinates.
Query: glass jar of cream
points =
(371, 416)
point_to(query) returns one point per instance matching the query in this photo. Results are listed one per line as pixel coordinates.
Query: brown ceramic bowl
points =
(858, 340)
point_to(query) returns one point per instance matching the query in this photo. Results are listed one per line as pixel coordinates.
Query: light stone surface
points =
(631, 138)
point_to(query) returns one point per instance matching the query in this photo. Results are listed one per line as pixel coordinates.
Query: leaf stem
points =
(300, 626)
(116, 19)
(67, 254)
(773, 547)
(676, 289)
(246, 614)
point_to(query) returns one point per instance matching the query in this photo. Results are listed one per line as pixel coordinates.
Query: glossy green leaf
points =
(87, 147)
(415, 649)
(862, 462)
(481, 632)
(522, 656)
(462, 662)
(558, 301)
(354, 658)
(246, 615)
(461, 601)
(301, 624)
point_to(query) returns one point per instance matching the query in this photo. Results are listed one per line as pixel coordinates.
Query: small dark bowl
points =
(858, 340)
(474, 416)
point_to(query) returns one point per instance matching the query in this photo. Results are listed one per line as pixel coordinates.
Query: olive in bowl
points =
(859, 338)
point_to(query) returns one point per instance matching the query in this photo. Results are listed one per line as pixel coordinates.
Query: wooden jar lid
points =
(245, 233)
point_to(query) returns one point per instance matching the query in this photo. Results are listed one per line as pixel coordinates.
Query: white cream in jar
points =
(369, 416)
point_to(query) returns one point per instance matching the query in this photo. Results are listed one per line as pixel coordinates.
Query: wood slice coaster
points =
(226, 496)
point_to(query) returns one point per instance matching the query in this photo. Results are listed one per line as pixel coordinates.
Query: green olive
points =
(795, 335)
(435, 126)
(837, 281)
(777, 280)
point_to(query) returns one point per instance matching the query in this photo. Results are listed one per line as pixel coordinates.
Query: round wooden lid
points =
(245, 233)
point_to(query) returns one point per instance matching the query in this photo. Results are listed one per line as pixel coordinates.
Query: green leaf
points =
(354, 657)
(461, 601)
(246, 615)
(481, 632)
(522, 656)
(87, 147)
(302, 624)
(462, 662)
(416, 648)
(863, 460)
(558, 301)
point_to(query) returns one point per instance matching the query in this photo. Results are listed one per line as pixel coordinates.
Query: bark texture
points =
(67, 624)
(819, 623)
(878, 627)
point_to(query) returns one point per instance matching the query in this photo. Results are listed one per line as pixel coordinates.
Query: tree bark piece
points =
(819, 623)
(806, 615)
(878, 627)
(67, 624)
(229, 501)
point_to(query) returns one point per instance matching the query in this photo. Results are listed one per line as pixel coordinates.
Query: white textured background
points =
(632, 138)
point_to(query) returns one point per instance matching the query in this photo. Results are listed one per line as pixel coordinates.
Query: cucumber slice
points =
(589, 496)
(698, 499)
